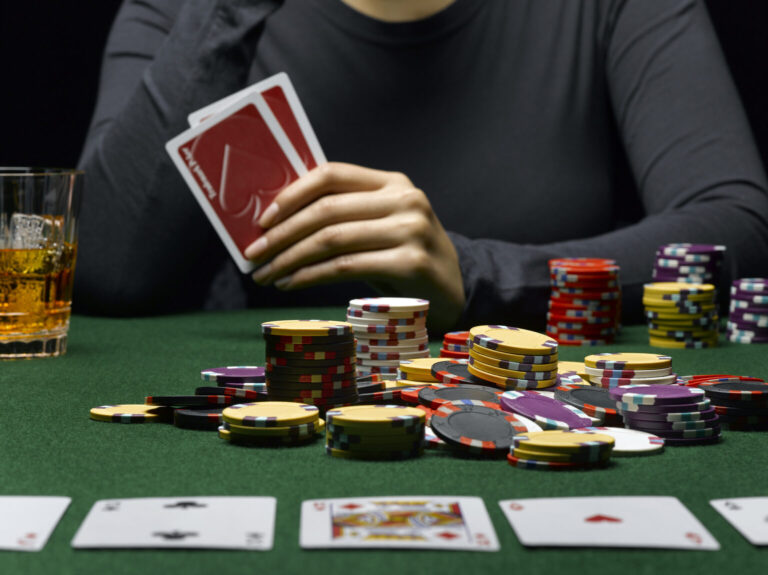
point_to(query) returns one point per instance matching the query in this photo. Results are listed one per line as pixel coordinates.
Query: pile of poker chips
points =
(455, 345)
(688, 263)
(561, 450)
(512, 358)
(310, 361)
(740, 402)
(748, 311)
(473, 427)
(585, 302)
(388, 330)
(271, 423)
(681, 315)
(614, 369)
(546, 412)
(375, 432)
(682, 415)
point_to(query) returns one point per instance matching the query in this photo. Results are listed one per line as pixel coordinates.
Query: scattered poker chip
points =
(233, 391)
(432, 441)
(566, 442)
(131, 413)
(434, 396)
(656, 394)
(455, 371)
(512, 340)
(190, 400)
(384, 416)
(312, 328)
(545, 411)
(234, 374)
(204, 418)
(593, 401)
(270, 414)
(301, 430)
(745, 391)
(476, 429)
(629, 442)
(623, 360)
(268, 441)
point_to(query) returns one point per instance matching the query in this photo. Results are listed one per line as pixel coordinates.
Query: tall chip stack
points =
(388, 330)
(689, 263)
(585, 302)
(680, 415)
(748, 311)
(310, 361)
(681, 315)
(741, 405)
(455, 345)
(512, 358)
(608, 370)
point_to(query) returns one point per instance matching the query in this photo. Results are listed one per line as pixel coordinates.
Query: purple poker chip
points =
(682, 249)
(543, 409)
(702, 405)
(742, 306)
(656, 394)
(672, 416)
(684, 433)
(654, 426)
(681, 442)
(235, 374)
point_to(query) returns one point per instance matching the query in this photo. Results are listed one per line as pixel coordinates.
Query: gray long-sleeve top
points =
(537, 129)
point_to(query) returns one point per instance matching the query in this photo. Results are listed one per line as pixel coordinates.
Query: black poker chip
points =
(735, 392)
(455, 371)
(203, 418)
(233, 391)
(435, 395)
(594, 401)
(191, 400)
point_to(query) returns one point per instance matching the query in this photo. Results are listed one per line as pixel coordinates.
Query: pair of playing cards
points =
(240, 152)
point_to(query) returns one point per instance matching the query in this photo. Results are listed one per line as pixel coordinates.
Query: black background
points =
(50, 54)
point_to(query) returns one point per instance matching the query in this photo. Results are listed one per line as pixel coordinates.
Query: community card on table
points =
(235, 163)
(643, 522)
(26, 522)
(180, 522)
(398, 522)
(748, 515)
(279, 94)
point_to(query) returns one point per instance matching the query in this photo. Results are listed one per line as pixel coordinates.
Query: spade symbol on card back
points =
(185, 505)
(174, 535)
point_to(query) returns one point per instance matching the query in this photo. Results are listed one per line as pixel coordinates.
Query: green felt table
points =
(49, 446)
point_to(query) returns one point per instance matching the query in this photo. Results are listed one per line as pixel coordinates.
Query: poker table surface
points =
(51, 447)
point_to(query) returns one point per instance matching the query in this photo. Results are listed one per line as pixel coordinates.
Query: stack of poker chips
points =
(414, 372)
(585, 302)
(688, 263)
(610, 370)
(748, 318)
(475, 427)
(271, 423)
(512, 358)
(375, 432)
(681, 315)
(455, 345)
(679, 414)
(251, 377)
(310, 361)
(741, 405)
(388, 330)
(561, 450)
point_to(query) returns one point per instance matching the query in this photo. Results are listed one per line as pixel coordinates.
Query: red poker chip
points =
(457, 337)
(453, 354)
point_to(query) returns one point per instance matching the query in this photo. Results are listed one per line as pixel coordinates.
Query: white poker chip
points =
(629, 442)
(630, 373)
(386, 304)
(529, 424)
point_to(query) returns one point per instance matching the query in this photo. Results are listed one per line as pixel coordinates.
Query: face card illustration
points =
(189, 522)
(280, 95)
(402, 522)
(235, 164)
(652, 522)
(748, 515)
(26, 522)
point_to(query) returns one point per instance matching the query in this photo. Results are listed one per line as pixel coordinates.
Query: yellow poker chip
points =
(513, 373)
(262, 441)
(511, 382)
(412, 383)
(513, 340)
(300, 430)
(578, 367)
(421, 366)
(506, 364)
(676, 304)
(676, 344)
(132, 413)
(626, 360)
(678, 288)
(270, 414)
(385, 416)
(516, 357)
(311, 327)
(562, 457)
(559, 441)
(687, 332)
(381, 455)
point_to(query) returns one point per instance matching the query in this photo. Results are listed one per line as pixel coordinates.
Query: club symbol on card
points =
(732, 506)
(253, 538)
(111, 506)
(27, 540)
(174, 535)
(695, 537)
(602, 519)
(185, 505)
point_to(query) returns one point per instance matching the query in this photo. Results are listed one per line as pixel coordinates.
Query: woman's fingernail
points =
(282, 282)
(256, 248)
(268, 215)
(261, 273)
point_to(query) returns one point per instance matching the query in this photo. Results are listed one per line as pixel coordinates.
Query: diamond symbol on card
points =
(447, 535)
(602, 519)
(351, 506)
(695, 537)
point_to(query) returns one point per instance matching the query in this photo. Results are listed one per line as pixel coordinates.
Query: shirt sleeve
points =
(163, 59)
(691, 154)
